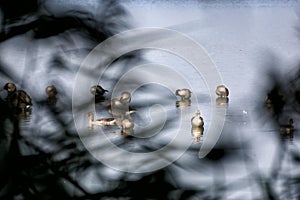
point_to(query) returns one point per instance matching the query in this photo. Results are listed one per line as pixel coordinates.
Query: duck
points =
(197, 121)
(222, 91)
(197, 133)
(287, 128)
(51, 92)
(100, 121)
(18, 99)
(98, 92)
(127, 126)
(183, 93)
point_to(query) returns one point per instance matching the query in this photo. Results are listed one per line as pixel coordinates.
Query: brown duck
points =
(18, 99)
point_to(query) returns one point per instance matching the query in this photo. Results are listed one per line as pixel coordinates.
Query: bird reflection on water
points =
(222, 101)
(197, 133)
(183, 103)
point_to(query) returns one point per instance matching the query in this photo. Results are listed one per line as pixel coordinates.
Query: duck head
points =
(51, 91)
(98, 90)
(125, 97)
(10, 87)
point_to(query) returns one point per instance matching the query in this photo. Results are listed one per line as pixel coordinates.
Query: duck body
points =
(183, 93)
(24, 100)
(100, 121)
(127, 126)
(106, 121)
(117, 107)
(17, 99)
(197, 121)
(222, 91)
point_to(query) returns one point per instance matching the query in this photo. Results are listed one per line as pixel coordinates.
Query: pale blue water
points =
(238, 39)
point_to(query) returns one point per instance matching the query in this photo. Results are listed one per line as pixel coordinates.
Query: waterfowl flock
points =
(120, 108)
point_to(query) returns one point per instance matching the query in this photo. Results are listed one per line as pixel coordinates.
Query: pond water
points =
(249, 151)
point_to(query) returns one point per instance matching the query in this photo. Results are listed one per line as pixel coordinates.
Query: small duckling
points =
(183, 93)
(222, 91)
(98, 92)
(18, 99)
(197, 133)
(197, 121)
(287, 128)
(100, 121)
